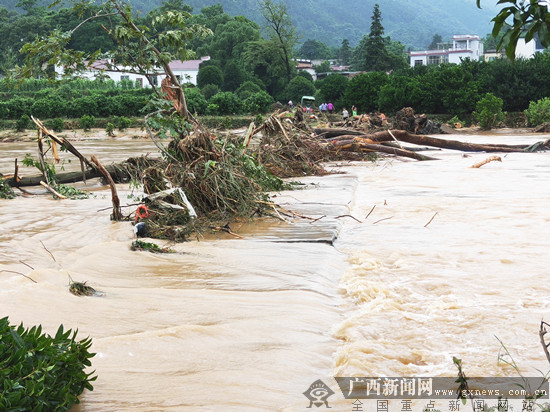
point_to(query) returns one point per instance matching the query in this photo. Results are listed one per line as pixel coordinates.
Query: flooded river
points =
(248, 324)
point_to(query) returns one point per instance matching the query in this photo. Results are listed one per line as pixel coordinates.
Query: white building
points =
(527, 50)
(185, 71)
(466, 46)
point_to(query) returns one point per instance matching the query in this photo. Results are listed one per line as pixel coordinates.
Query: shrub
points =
(538, 112)
(489, 111)
(210, 75)
(298, 87)
(48, 108)
(259, 102)
(196, 102)
(40, 372)
(122, 123)
(6, 192)
(87, 122)
(18, 106)
(227, 102)
(247, 89)
(110, 129)
(83, 106)
(23, 123)
(210, 90)
(57, 124)
(212, 109)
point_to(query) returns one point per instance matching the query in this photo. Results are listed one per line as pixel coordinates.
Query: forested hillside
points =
(413, 23)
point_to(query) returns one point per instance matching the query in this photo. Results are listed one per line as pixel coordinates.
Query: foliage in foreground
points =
(40, 372)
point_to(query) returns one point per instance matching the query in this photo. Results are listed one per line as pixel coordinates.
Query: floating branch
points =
(386, 218)
(488, 160)
(52, 190)
(426, 225)
(357, 220)
(19, 273)
(372, 210)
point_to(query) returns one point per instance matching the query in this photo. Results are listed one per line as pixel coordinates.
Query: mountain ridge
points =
(412, 23)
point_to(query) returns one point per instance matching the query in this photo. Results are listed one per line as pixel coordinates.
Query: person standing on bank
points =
(345, 114)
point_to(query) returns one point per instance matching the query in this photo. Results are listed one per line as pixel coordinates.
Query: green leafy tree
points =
(258, 103)
(227, 103)
(528, 17)
(538, 112)
(314, 49)
(323, 67)
(396, 55)
(263, 59)
(399, 92)
(489, 111)
(136, 51)
(332, 88)
(233, 76)
(305, 75)
(297, 88)
(230, 40)
(281, 31)
(376, 56)
(210, 75)
(435, 41)
(196, 101)
(247, 89)
(363, 90)
(345, 52)
(209, 90)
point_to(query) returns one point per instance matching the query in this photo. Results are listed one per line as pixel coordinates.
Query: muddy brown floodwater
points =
(248, 324)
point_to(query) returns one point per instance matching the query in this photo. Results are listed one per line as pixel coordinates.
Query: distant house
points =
(307, 66)
(524, 50)
(466, 46)
(527, 50)
(186, 72)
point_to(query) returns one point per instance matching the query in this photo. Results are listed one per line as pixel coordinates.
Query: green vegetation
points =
(149, 246)
(6, 192)
(244, 64)
(530, 19)
(87, 122)
(40, 372)
(57, 124)
(538, 112)
(65, 190)
(489, 111)
(23, 123)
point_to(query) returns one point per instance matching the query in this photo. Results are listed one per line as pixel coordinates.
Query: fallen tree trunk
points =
(118, 173)
(363, 145)
(454, 144)
(421, 140)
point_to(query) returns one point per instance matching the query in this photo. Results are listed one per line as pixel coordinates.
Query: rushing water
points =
(249, 324)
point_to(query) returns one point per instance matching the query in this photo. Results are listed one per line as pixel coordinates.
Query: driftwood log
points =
(118, 173)
(359, 144)
(403, 136)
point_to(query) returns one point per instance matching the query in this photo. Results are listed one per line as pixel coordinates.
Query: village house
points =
(186, 72)
(466, 46)
(307, 66)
